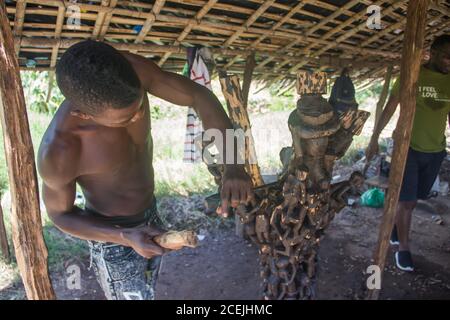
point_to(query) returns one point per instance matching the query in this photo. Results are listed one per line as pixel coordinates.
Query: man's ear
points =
(80, 114)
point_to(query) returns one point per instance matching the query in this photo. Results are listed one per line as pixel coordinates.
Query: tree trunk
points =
(409, 74)
(31, 252)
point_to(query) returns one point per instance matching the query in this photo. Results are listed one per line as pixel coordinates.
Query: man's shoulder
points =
(59, 150)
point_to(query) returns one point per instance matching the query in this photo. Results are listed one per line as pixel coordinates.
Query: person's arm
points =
(177, 89)
(385, 117)
(57, 166)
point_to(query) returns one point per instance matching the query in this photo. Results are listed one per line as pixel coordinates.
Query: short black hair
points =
(95, 76)
(440, 41)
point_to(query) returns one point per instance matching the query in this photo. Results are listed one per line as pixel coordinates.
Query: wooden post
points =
(250, 64)
(384, 94)
(239, 117)
(51, 77)
(409, 74)
(31, 252)
(3, 238)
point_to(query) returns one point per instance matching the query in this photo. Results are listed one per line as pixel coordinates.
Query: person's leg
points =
(429, 166)
(407, 200)
(407, 203)
(403, 222)
(122, 272)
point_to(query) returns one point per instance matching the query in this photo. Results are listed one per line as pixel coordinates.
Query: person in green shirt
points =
(427, 148)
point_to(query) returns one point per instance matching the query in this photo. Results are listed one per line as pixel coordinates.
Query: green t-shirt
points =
(432, 108)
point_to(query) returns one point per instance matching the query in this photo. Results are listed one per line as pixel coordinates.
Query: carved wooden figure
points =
(291, 214)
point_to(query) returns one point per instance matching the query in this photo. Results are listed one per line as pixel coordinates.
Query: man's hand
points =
(372, 149)
(237, 188)
(140, 239)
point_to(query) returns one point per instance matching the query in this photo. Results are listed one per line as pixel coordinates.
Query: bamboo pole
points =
(348, 22)
(31, 252)
(99, 20)
(107, 20)
(248, 74)
(188, 28)
(151, 17)
(384, 94)
(409, 74)
(19, 19)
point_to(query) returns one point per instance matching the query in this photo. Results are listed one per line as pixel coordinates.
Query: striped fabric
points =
(199, 73)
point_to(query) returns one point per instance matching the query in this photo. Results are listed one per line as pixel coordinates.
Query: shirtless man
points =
(100, 138)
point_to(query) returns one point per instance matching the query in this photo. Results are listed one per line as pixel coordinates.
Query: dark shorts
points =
(421, 171)
(121, 272)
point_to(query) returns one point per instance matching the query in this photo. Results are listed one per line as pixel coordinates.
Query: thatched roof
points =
(285, 35)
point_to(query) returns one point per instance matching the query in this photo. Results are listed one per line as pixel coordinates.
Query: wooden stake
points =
(248, 73)
(31, 252)
(51, 77)
(409, 74)
(384, 94)
(239, 117)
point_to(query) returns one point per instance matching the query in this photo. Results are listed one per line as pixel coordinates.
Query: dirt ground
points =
(226, 267)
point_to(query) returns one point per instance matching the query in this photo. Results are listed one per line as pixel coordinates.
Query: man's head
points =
(101, 84)
(440, 53)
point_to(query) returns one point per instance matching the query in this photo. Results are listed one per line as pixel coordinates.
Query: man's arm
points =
(177, 89)
(386, 115)
(58, 166)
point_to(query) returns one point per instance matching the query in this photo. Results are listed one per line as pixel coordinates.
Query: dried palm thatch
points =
(286, 35)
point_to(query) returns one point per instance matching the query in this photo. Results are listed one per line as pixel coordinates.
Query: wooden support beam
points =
(384, 94)
(283, 20)
(36, 43)
(107, 20)
(316, 27)
(159, 4)
(239, 117)
(99, 21)
(248, 74)
(198, 17)
(409, 74)
(4, 246)
(55, 50)
(341, 38)
(249, 21)
(19, 19)
(355, 64)
(237, 110)
(51, 78)
(286, 18)
(31, 252)
(244, 27)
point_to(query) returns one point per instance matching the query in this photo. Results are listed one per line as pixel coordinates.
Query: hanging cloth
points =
(198, 72)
